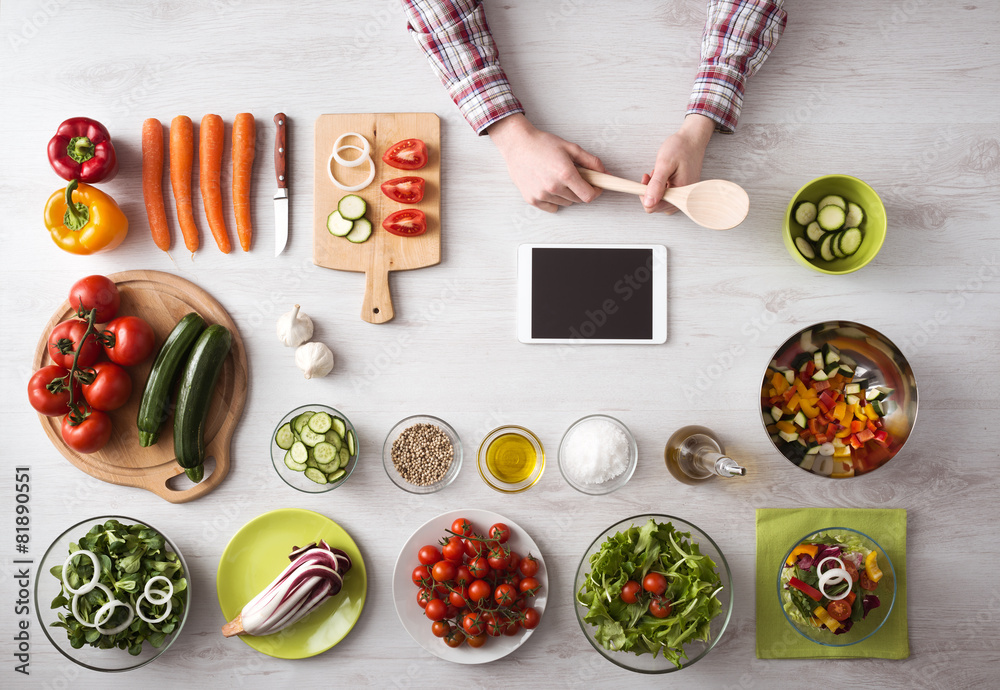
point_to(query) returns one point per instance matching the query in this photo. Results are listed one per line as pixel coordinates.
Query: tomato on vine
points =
(462, 527)
(529, 566)
(499, 533)
(454, 550)
(428, 555)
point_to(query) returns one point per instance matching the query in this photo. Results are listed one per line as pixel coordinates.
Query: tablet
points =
(592, 294)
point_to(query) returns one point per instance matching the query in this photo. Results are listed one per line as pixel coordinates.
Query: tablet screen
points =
(599, 293)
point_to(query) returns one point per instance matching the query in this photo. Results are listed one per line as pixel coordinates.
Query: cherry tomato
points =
(510, 626)
(90, 435)
(655, 583)
(492, 626)
(459, 597)
(454, 550)
(134, 340)
(405, 190)
(852, 571)
(464, 576)
(435, 609)
(474, 547)
(440, 628)
(428, 555)
(504, 595)
(407, 222)
(479, 567)
(42, 399)
(498, 558)
(443, 571)
(408, 154)
(529, 566)
(499, 533)
(476, 641)
(531, 619)
(424, 595)
(514, 562)
(630, 592)
(839, 610)
(110, 388)
(473, 624)
(462, 526)
(512, 579)
(479, 590)
(421, 575)
(64, 340)
(529, 586)
(454, 638)
(659, 607)
(867, 583)
(95, 292)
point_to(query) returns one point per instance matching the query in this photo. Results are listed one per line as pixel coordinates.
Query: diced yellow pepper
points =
(829, 621)
(779, 382)
(871, 567)
(793, 403)
(801, 388)
(859, 412)
(811, 549)
(843, 451)
(787, 427)
(843, 433)
(808, 409)
(839, 410)
(870, 412)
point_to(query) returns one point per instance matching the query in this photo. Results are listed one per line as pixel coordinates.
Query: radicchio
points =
(870, 602)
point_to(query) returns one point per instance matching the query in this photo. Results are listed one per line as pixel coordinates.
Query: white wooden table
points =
(904, 95)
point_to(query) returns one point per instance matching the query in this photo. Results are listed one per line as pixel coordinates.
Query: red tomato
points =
(464, 576)
(42, 399)
(514, 562)
(493, 628)
(428, 555)
(659, 607)
(473, 625)
(421, 575)
(498, 558)
(134, 340)
(474, 548)
(852, 571)
(479, 567)
(510, 626)
(424, 595)
(500, 533)
(454, 638)
(479, 590)
(459, 597)
(110, 388)
(454, 550)
(408, 154)
(462, 526)
(440, 628)
(90, 435)
(867, 583)
(531, 619)
(655, 583)
(476, 641)
(444, 571)
(95, 292)
(435, 609)
(405, 190)
(407, 222)
(529, 586)
(504, 595)
(630, 592)
(64, 340)
(529, 566)
(839, 610)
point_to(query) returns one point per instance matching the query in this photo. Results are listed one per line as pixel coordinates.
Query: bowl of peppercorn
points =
(422, 454)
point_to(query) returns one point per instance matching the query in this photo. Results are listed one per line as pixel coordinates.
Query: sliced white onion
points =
(840, 564)
(76, 613)
(118, 628)
(94, 580)
(145, 595)
(827, 449)
(341, 185)
(148, 591)
(337, 148)
(827, 578)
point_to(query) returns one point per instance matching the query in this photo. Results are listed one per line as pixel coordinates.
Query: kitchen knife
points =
(281, 196)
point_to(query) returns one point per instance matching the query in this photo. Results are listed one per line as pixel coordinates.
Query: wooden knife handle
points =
(279, 151)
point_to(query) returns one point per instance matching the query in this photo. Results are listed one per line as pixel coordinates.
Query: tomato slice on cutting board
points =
(408, 154)
(405, 190)
(407, 222)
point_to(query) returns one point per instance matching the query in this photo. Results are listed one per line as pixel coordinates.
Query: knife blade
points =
(281, 196)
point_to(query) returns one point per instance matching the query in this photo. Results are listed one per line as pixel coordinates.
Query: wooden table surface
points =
(904, 95)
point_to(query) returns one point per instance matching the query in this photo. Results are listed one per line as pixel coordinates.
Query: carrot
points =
(210, 141)
(244, 144)
(152, 182)
(181, 163)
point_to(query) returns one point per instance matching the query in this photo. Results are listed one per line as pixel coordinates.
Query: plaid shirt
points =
(454, 34)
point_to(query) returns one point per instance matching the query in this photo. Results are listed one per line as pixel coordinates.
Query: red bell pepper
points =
(82, 150)
(810, 592)
(865, 435)
(882, 437)
(821, 385)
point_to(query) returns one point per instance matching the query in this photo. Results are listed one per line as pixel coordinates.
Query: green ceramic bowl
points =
(852, 189)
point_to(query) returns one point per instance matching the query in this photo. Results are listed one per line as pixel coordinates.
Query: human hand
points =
(542, 165)
(678, 162)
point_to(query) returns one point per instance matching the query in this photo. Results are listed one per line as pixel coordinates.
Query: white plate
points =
(404, 593)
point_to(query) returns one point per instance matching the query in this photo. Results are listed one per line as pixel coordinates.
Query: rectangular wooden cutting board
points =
(383, 252)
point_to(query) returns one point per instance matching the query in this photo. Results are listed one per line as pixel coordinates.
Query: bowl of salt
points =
(597, 455)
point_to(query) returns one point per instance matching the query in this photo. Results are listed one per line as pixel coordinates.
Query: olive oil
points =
(511, 458)
(694, 453)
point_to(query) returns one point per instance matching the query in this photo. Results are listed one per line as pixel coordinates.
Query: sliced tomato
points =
(408, 154)
(405, 190)
(407, 222)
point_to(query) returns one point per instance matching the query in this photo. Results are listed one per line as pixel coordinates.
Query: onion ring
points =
(337, 148)
(819, 567)
(145, 595)
(827, 578)
(76, 613)
(118, 628)
(166, 594)
(341, 185)
(93, 582)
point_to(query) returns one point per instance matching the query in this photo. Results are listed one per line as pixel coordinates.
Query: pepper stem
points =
(80, 149)
(77, 215)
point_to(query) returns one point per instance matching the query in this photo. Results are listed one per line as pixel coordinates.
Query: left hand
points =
(678, 162)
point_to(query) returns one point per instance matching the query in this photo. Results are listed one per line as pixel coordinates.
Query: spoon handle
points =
(619, 184)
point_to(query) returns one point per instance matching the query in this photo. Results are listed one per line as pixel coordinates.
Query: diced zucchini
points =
(848, 371)
(800, 359)
(813, 450)
(776, 413)
(805, 213)
(800, 420)
(852, 399)
(284, 437)
(820, 375)
(320, 422)
(808, 461)
(852, 388)
(789, 376)
(789, 437)
(818, 359)
(877, 406)
(830, 353)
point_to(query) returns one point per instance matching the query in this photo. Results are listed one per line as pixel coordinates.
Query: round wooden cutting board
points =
(161, 299)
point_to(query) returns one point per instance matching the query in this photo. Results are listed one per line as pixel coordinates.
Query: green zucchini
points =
(155, 406)
(195, 398)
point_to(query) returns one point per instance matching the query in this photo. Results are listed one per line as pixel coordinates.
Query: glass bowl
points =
(48, 587)
(611, 484)
(696, 650)
(298, 480)
(862, 630)
(875, 358)
(499, 484)
(390, 467)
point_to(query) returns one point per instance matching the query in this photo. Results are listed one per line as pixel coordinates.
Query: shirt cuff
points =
(718, 95)
(485, 97)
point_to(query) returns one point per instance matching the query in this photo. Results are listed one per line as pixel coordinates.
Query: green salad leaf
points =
(129, 556)
(692, 586)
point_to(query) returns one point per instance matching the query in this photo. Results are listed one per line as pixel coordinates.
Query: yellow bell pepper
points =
(871, 567)
(801, 388)
(84, 220)
(807, 409)
(787, 427)
(779, 382)
(840, 411)
(811, 549)
(870, 412)
(829, 621)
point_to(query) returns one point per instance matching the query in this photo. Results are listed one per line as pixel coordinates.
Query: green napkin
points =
(777, 528)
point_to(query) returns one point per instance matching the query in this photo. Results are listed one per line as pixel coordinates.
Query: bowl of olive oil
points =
(511, 459)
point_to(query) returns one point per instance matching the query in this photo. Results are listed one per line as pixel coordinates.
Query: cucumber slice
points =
(805, 213)
(292, 465)
(855, 215)
(361, 231)
(315, 475)
(339, 426)
(311, 460)
(345, 457)
(320, 422)
(299, 422)
(831, 218)
(310, 437)
(833, 200)
(336, 476)
(814, 232)
(328, 467)
(325, 453)
(352, 207)
(285, 437)
(351, 443)
(334, 439)
(299, 452)
(338, 225)
(824, 247)
(805, 249)
(850, 242)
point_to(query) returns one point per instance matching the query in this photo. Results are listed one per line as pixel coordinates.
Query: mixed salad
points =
(829, 581)
(650, 590)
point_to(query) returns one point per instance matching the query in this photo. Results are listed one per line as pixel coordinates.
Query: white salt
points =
(596, 451)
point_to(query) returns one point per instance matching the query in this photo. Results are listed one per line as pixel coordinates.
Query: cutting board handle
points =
(377, 305)
(159, 483)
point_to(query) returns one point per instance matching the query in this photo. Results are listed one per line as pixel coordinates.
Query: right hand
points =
(542, 165)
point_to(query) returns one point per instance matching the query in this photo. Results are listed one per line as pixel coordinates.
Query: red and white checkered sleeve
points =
(456, 38)
(739, 35)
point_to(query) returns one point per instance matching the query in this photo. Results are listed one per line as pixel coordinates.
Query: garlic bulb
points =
(294, 328)
(314, 359)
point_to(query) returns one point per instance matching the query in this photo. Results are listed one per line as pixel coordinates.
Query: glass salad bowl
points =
(885, 588)
(859, 410)
(48, 587)
(692, 651)
(340, 444)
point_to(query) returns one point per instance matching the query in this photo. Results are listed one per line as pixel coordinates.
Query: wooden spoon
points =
(713, 204)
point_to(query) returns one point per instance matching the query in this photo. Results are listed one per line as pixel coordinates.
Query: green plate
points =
(259, 552)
